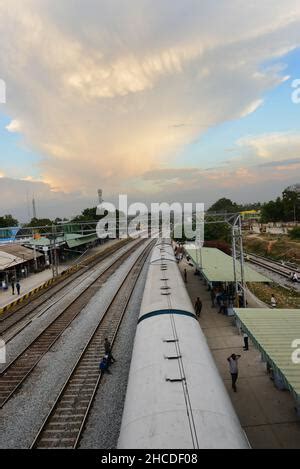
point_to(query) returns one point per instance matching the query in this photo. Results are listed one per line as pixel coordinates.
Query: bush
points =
(295, 233)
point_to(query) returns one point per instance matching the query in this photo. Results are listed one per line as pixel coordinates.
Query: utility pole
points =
(34, 257)
(234, 261)
(199, 240)
(33, 208)
(100, 196)
(53, 253)
(237, 242)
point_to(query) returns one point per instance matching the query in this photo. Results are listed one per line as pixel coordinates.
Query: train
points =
(175, 397)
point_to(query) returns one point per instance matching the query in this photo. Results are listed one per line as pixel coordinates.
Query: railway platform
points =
(266, 413)
(27, 284)
(35, 280)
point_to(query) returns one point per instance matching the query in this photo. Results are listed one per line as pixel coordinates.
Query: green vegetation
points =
(217, 232)
(225, 205)
(88, 214)
(39, 222)
(7, 221)
(288, 299)
(285, 208)
(277, 248)
(295, 233)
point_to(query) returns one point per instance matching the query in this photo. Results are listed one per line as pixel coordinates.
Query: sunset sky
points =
(172, 100)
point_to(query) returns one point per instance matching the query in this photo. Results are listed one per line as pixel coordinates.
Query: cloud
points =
(286, 163)
(16, 198)
(14, 126)
(267, 162)
(276, 145)
(252, 107)
(106, 93)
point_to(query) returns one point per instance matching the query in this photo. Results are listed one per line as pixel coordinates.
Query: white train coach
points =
(175, 396)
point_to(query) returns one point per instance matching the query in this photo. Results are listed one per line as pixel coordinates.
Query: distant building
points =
(249, 215)
(8, 235)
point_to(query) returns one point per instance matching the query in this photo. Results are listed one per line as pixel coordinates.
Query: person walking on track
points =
(107, 348)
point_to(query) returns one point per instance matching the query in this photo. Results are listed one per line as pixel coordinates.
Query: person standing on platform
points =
(246, 341)
(185, 275)
(12, 285)
(18, 287)
(198, 306)
(233, 368)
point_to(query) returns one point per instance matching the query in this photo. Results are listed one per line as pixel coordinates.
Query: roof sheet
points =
(218, 266)
(14, 254)
(20, 251)
(44, 242)
(273, 331)
(73, 239)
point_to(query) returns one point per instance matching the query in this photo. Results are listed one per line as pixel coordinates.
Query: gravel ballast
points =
(22, 416)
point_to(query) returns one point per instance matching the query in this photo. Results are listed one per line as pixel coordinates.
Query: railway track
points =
(15, 373)
(268, 264)
(45, 301)
(65, 423)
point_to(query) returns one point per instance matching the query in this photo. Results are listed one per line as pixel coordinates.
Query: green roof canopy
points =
(273, 332)
(218, 266)
(73, 239)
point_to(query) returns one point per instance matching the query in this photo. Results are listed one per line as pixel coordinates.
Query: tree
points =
(224, 205)
(88, 214)
(39, 222)
(217, 232)
(250, 206)
(7, 221)
(295, 233)
(273, 211)
(291, 202)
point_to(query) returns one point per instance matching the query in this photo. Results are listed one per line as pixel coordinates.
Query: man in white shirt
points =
(295, 277)
(273, 301)
(233, 368)
(246, 341)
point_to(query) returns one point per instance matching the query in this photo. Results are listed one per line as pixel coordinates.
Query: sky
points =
(167, 101)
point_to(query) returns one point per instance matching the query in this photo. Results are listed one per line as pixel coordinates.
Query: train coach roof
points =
(273, 331)
(218, 266)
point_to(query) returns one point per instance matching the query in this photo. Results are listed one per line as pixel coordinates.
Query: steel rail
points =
(14, 320)
(21, 367)
(24, 309)
(77, 394)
